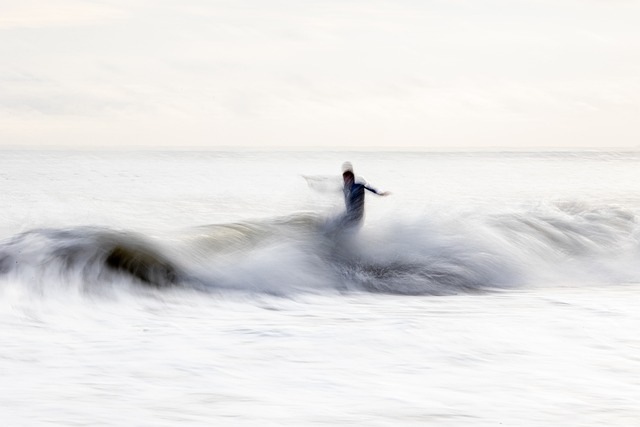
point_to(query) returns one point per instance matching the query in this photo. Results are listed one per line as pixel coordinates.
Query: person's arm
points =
(379, 193)
(324, 183)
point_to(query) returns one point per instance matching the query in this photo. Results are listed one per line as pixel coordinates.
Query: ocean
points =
(154, 288)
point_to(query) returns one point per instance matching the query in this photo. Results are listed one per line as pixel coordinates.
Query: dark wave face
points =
(440, 255)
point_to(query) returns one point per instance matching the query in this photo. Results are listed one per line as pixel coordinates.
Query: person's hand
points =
(385, 193)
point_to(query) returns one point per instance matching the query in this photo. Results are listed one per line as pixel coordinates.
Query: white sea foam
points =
(435, 255)
(198, 288)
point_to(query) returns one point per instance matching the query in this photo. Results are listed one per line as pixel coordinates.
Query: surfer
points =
(354, 191)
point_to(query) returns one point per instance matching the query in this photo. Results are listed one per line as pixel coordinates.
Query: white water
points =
(509, 291)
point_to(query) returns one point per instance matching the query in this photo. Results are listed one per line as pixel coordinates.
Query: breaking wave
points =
(442, 254)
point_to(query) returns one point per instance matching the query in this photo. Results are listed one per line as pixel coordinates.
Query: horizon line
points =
(257, 148)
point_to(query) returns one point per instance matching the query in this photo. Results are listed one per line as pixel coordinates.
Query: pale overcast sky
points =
(430, 74)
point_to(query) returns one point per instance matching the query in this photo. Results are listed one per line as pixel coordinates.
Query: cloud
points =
(54, 13)
(290, 72)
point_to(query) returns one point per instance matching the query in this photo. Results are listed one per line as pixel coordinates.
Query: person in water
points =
(354, 191)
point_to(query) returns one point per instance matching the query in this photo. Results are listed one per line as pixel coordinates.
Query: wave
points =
(439, 254)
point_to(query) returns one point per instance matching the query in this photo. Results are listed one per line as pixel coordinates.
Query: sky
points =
(328, 74)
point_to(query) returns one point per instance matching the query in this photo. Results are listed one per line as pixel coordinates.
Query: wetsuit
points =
(354, 202)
